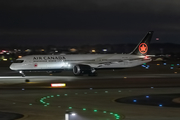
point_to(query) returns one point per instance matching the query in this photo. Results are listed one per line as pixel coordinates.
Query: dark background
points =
(81, 22)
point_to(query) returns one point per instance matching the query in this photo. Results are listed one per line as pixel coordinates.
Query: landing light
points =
(58, 85)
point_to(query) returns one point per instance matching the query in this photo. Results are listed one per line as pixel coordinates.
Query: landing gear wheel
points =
(27, 80)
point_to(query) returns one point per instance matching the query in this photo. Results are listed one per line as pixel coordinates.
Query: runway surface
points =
(113, 94)
(88, 104)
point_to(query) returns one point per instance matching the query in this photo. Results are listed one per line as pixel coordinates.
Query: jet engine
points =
(83, 69)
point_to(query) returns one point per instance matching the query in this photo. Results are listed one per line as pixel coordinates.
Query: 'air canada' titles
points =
(45, 58)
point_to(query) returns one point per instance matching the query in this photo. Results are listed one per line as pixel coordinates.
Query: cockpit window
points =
(19, 61)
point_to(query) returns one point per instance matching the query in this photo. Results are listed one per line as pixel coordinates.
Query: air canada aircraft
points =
(81, 64)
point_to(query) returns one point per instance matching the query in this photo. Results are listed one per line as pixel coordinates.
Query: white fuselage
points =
(56, 62)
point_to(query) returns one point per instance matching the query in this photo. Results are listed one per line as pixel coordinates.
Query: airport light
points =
(73, 114)
(93, 51)
(134, 101)
(160, 105)
(147, 96)
(95, 110)
(58, 85)
(157, 39)
(19, 56)
(104, 50)
(4, 59)
(68, 113)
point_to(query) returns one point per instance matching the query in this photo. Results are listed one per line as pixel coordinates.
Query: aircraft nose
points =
(11, 66)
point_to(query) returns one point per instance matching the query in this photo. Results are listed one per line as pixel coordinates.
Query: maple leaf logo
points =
(35, 65)
(143, 48)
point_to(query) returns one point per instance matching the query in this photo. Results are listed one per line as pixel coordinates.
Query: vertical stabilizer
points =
(142, 47)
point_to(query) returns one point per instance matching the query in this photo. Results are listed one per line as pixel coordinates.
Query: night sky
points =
(81, 22)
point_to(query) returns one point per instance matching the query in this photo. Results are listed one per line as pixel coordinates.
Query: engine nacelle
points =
(82, 69)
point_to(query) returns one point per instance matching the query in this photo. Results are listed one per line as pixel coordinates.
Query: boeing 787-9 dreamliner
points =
(81, 64)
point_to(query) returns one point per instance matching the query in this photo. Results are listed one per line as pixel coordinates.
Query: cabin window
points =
(19, 61)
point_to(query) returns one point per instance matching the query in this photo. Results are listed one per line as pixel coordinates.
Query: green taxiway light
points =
(46, 104)
(95, 110)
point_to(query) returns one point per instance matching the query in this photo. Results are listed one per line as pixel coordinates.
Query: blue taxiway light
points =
(147, 96)
(160, 105)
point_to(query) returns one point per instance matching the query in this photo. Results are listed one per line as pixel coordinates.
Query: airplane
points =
(81, 64)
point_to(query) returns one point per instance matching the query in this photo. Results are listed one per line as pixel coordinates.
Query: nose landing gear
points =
(23, 75)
